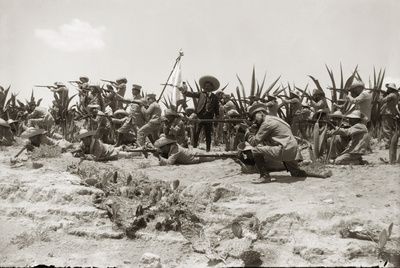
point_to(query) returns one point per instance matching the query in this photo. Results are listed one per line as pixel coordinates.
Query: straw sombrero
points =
(32, 132)
(209, 78)
(121, 112)
(170, 112)
(356, 114)
(83, 133)
(4, 123)
(163, 141)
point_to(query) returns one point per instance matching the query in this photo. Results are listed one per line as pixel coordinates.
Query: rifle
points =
(145, 152)
(220, 155)
(109, 81)
(217, 120)
(20, 151)
(75, 82)
(45, 86)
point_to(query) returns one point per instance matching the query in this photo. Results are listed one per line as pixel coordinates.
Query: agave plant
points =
(61, 111)
(245, 98)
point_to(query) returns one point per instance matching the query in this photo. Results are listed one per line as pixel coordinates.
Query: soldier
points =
(171, 153)
(153, 118)
(40, 118)
(294, 104)
(355, 144)
(318, 101)
(91, 148)
(36, 138)
(14, 126)
(361, 98)
(273, 144)
(120, 89)
(389, 113)
(174, 128)
(272, 105)
(124, 135)
(207, 107)
(6, 135)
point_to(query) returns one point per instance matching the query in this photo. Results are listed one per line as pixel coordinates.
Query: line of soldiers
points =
(111, 125)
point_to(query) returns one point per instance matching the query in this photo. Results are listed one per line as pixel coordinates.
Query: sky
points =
(44, 41)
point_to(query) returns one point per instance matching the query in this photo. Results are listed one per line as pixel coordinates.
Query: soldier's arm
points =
(389, 97)
(258, 137)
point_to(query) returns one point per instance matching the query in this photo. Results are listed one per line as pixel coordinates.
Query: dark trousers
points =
(208, 127)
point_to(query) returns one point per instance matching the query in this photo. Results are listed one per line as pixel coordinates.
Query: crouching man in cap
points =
(274, 146)
(174, 128)
(355, 140)
(171, 153)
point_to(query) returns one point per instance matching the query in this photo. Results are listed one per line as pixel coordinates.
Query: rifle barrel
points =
(217, 120)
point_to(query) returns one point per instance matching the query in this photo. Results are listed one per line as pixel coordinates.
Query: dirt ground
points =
(47, 215)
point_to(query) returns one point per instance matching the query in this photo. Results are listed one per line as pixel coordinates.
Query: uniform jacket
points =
(207, 104)
(274, 132)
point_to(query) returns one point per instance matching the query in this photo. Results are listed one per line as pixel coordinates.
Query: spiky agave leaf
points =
(239, 99)
(271, 86)
(253, 83)
(316, 82)
(222, 89)
(349, 81)
(341, 76)
(242, 88)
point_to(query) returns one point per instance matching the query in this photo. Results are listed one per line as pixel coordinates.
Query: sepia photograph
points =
(189, 133)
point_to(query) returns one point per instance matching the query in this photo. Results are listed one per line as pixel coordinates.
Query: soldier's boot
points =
(294, 169)
(263, 169)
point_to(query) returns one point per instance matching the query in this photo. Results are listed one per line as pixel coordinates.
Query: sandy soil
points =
(47, 215)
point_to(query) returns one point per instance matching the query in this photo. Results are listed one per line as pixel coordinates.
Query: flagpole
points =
(173, 68)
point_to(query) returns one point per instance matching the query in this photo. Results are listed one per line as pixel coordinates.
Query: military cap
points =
(232, 113)
(337, 113)
(256, 108)
(391, 86)
(151, 96)
(136, 87)
(84, 79)
(121, 80)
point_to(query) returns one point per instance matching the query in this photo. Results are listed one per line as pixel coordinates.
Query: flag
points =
(176, 81)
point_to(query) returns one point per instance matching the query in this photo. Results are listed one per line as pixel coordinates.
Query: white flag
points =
(176, 81)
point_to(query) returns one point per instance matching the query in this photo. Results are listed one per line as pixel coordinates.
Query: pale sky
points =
(43, 41)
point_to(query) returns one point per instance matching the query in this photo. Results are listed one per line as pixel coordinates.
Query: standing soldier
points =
(361, 98)
(294, 104)
(389, 113)
(41, 118)
(318, 101)
(153, 118)
(207, 107)
(121, 89)
(272, 105)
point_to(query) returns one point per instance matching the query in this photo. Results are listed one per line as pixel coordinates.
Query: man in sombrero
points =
(207, 106)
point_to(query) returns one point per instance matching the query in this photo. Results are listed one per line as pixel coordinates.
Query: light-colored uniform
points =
(152, 127)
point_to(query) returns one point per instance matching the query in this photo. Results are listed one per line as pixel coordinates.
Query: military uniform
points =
(41, 118)
(389, 112)
(350, 144)
(152, 127)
